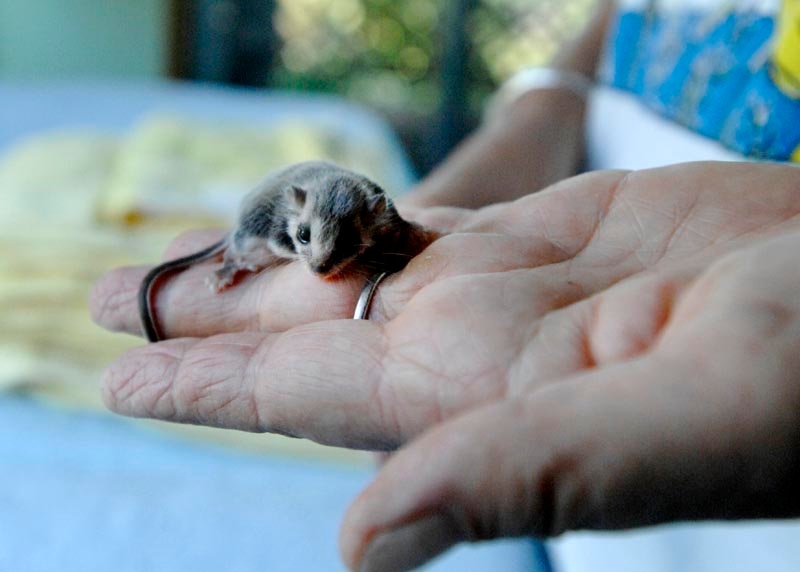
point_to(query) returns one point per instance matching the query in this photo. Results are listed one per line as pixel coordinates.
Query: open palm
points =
(588, 311)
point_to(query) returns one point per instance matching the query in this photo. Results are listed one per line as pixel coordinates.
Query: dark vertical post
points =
(180, 38)
(232, 41)
(453, 118)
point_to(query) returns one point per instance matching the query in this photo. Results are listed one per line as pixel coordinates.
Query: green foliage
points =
(388, 52)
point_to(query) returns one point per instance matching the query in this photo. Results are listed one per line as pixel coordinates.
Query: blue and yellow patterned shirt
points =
(732, 74)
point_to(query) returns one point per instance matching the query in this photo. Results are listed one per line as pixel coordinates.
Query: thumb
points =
(464, 481)
(638, 443)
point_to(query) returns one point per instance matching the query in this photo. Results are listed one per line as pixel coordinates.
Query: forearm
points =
(529, 145)
(527, 149)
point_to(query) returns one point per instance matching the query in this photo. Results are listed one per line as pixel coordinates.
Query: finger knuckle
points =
(108, 296)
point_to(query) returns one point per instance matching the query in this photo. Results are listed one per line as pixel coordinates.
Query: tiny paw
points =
(217, 283)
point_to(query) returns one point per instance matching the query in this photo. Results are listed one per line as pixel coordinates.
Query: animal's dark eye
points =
(303, 234)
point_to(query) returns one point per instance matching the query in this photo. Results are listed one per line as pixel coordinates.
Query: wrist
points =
(534, 80)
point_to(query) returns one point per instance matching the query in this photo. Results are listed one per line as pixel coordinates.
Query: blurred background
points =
(124, 123)
(427, 65)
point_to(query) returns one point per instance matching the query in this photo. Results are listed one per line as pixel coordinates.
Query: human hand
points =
(558, 287)
(694, 414)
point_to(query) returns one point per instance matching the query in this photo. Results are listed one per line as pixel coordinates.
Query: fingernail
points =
(409, 546)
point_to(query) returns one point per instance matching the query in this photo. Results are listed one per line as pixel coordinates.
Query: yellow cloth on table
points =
(77, 204)
(176, 170)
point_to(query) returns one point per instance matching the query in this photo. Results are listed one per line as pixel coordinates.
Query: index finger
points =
(186, 307)
(282, 297)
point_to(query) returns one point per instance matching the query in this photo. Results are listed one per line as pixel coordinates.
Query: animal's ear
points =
(377, 204)
(297, 196)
